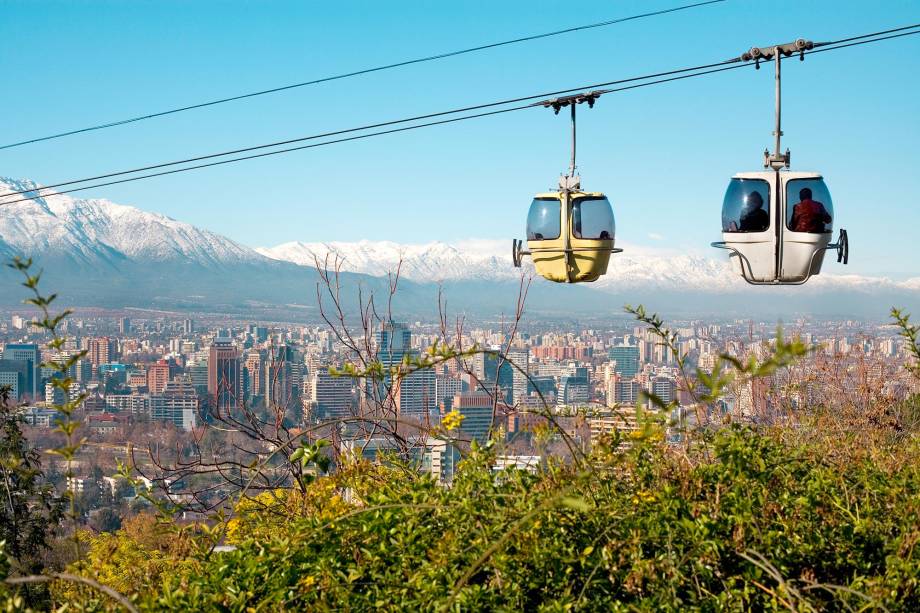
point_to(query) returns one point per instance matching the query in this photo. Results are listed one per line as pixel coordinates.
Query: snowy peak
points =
(429, 262)
(491, 260)
(99, 230)
(637, 268)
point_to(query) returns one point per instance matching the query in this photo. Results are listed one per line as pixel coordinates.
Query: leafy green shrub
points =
(747, 521)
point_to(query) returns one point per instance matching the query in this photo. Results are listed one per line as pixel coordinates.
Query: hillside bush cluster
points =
(740, 520)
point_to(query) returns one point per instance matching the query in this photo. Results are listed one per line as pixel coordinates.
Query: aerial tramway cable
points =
(356, 73)
(679, 74)
(394, 122)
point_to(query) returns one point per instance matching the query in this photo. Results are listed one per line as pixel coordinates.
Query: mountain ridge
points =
(637, 267)
(100, 253)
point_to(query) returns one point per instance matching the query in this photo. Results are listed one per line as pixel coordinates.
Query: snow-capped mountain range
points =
(103, 253)
(100, 230)
(491, 260)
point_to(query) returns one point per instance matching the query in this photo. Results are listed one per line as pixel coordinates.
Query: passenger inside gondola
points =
(809, 215)
(753, 216)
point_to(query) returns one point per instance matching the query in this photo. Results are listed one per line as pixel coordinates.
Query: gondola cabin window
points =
(592, 218)
(809, 207)
(746, 206)
(543, 220)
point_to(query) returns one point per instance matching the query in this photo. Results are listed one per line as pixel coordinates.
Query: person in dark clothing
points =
(753, 216)
(809, 215)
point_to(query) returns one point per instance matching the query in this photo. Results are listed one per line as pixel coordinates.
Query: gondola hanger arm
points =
(560, 103)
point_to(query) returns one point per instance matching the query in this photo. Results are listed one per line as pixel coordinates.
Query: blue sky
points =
(662, 154)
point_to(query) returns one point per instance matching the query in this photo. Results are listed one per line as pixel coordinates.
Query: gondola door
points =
(806, 223)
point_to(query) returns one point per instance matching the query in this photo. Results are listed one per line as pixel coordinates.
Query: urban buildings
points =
(331, 397)
(101, 350)
(176, 404)
(164, 370)
(157, 377)
(29, 354)
(412, 390)
(225, 375)
(17, 375)
(476, 407)
(626, 358)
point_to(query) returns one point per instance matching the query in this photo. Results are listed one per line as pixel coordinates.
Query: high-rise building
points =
(31, 355)
(543, 385)
(627, 360)
(15, 374)
(662, 387)
(102, 350)
(520, 365)
(447, 386)
(496, 370)
(611, 379)
(394, 341)
(281, 389)
(188, 327)
(225, 375)
(83, 370)
(476, 409)
(624, 392)
(253, 373)
(196, 373)
(574, 387)
(332, 397)
(413, 392)
(136, 378)
(135, 404)
(157, 376)
(124, 325)
(177, 404)
(56, 395)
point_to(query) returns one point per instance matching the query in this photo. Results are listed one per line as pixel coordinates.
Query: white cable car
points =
(777, 223)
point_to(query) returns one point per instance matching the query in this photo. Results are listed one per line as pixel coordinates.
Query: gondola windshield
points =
(809, 207)
(746, 206)
(543, 219)
(592, 218)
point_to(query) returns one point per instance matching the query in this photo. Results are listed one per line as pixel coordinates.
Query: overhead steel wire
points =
(861, 36)
(378, 125)
(363, 71)
(342, 140)
(706, 69)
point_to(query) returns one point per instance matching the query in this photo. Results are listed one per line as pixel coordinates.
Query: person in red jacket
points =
(809, 215)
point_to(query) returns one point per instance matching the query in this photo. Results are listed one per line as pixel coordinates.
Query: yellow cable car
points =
(570, 232)
(570, 235)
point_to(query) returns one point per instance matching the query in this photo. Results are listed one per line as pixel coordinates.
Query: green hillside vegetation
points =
(746, 520)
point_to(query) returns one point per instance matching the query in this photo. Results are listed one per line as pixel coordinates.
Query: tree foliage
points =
(749, 521)
(30, 510)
